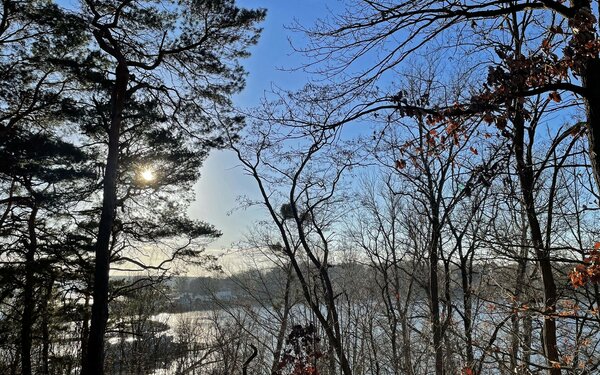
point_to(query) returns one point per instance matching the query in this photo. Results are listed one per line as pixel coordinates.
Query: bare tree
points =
(298, 172)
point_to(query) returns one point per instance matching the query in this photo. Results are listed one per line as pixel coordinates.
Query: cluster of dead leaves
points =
(589, 271)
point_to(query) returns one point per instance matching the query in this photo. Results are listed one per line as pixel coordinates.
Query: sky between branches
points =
(222, 179)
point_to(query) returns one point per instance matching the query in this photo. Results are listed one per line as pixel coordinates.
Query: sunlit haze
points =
(147, 174)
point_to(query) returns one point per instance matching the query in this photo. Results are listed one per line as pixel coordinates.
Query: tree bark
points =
(46, 327)
(525, 173)
(28, 297)
(468, 312)
(85, 329)
(591, 82)
(515, 320)
(434, 295)
(93, 365)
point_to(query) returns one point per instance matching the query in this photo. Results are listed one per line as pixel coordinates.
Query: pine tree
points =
(163, 71)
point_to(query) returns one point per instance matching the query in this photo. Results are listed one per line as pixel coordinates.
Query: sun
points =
(147, 174)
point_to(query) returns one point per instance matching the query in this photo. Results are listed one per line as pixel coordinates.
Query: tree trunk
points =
(46, 328)
(515, 320)
(396, 363)
(468, 312)
(525, 173)
(519, 283)
(435, 298)
(85, 329)
(591, 82)
(331, 349)
(527, 340)
(404, 316)
(407, 365)
(284, 322)
(28, 298)
(93, 365)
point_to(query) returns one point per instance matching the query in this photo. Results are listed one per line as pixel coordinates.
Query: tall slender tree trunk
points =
(516, 337)
(85, 329)
(590, 77)
(527, 339)
(403, 316)
(434, 294)
(468, 310)
(515, 320)
(406, 343)
(284, 322)
(333, 321)
(28, 297)
(93, 365)
(331, 349)
(591, 82)
(396, 363)
(46, 327)
(525, 173)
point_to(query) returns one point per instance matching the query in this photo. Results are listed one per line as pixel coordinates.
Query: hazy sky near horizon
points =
(222, 179)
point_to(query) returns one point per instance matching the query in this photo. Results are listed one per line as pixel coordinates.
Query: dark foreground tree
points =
(185, 56)
(144, 81)
(43, 177)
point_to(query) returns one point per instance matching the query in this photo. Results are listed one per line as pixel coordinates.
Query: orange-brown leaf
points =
(400, 164)
(555, 96)
(546, 44)
(501, 123)
(452, 127)
(577, 278)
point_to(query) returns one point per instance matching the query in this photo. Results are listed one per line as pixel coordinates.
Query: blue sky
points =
(223, 180)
